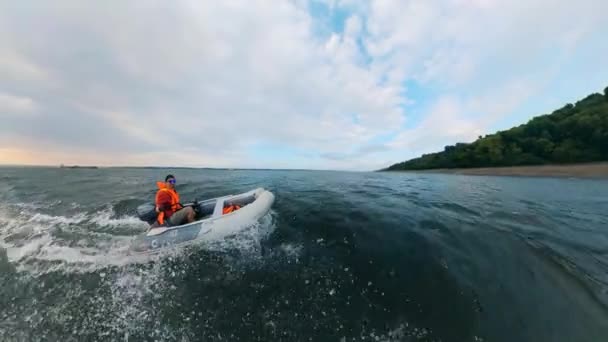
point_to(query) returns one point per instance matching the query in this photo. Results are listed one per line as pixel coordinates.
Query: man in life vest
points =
(170, 211)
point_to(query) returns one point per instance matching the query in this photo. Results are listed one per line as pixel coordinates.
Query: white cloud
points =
(206, 74)
(204, 82)
(484, 58)
(15, 105)
(14, 67)
(446, 123)
(460, 41)
(453, 119)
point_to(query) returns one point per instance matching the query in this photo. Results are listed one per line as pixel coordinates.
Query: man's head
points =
(170, 181)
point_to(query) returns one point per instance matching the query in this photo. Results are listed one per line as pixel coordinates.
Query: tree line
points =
(572, 134)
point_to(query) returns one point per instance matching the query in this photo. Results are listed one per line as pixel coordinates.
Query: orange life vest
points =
(174, 204)
(230, 209)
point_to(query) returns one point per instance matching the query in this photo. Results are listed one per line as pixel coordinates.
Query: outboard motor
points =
(147, 213)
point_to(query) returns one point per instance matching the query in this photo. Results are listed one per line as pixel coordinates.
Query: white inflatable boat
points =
(212, 221)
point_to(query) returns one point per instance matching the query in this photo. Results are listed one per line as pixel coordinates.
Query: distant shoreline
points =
(164, 168)
(77, 167)
(588, 170)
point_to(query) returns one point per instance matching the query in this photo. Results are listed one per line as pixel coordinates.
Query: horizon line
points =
(171, 167)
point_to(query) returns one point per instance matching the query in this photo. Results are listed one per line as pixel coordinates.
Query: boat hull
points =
(257, 203)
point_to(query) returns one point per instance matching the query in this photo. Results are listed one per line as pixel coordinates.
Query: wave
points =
(107, 218)
(83, 242)
(129, 291)
(247, 240)
(30, 236)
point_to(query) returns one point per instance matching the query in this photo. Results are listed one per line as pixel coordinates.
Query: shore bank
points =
(591, 170)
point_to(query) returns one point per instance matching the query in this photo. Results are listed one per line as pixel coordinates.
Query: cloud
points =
(15, 105)
(463, 42)
(168, 78)
(447, 117)
(452, 119)
(204, 83)
(483, 60)
(17, 69)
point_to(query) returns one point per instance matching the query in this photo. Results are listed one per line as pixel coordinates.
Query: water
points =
(341, 257)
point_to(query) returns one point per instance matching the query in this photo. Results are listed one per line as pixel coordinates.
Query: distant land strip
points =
(587, 170)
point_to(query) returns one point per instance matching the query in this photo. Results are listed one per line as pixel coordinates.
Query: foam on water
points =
(246, 239)
(51, 221)
(124, 303)
(106, 218)
(30, 236)
(31, 243)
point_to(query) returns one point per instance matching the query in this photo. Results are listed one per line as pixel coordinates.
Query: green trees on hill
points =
(573, 134)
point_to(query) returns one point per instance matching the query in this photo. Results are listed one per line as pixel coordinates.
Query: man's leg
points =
(191, 214)
(182, 216)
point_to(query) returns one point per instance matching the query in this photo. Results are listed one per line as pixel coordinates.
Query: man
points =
(170, 211)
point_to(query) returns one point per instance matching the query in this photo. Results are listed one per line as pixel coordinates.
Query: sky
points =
(302, 84)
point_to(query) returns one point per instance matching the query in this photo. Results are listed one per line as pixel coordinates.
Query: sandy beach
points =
(590, 170)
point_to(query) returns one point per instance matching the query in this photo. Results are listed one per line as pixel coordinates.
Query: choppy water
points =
(341, 257)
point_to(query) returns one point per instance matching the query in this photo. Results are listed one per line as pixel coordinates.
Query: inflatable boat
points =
(215, 219)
